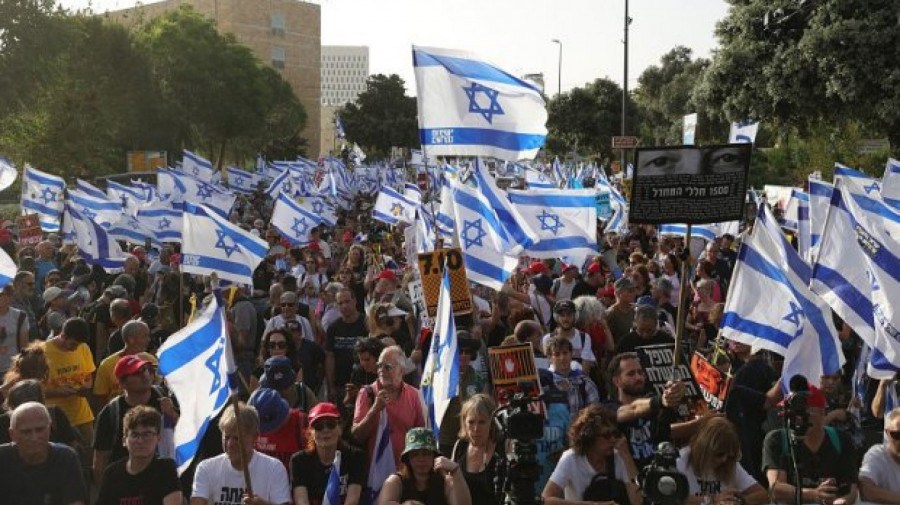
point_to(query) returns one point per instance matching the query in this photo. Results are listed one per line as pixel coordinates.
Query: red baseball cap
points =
(324, 410)
(607, 292)
(129, 365)
(386, 275)
(570, 266)
(537, 267)
(815, 398)
(593, 268)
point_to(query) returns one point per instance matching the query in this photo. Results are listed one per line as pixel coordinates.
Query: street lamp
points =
(559, 72)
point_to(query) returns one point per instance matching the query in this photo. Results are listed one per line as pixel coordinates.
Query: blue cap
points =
(271, 407)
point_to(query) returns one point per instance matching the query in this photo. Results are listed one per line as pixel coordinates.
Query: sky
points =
(514, 34)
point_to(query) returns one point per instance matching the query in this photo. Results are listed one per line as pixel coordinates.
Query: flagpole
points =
(682, 309)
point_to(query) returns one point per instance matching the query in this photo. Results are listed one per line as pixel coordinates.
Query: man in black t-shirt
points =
(340, 343)
(826, 459)
(645, 331)
(34, 469)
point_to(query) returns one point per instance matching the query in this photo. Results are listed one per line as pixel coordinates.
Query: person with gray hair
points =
(590, 317)
(136, 335)
(879, 475)
(329, 311)
(36, 470)
(646, 331)
(662, 290)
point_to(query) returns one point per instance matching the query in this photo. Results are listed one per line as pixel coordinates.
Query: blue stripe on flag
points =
(459, 136)
(469, 69)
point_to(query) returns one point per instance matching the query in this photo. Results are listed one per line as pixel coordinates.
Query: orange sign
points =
(713, 382)
(431, 268)
(29, 229)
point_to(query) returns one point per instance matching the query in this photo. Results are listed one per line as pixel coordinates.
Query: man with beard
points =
(645, 420)
(564, 315)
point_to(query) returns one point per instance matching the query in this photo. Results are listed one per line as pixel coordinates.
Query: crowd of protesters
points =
(328, 338)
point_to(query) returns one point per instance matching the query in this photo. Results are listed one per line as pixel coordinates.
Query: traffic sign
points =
(620, 142)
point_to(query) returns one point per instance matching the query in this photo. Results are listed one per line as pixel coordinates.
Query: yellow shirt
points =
(72, 369)
(106, 384)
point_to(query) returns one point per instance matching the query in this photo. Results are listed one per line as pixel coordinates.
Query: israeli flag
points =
(558, 174)
(292, 220)
(333, 485)
(130, 198)
(857, 272)
(565, 221)
(198, 366)
(199, 167)
(743, 132)
(42, 194)
(890, 188)
(797, 215)
(316, 205)
(132, 230)
(391, 207)
(242, 180)
(440, 375)
(866, 192)
(517, 235)
(707, 232)
(210, 243)
(382, 465)
(819, 203)
(90, 189)
(535, 179)
(177, 188)
(790, 320)
(99, 209)
(8, 269)
(94, 243)
(164, 221)
(8, 173)
(468, 107)
(478, 232)
(341, 134)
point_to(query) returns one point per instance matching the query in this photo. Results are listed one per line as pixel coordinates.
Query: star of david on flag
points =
(41, 194)
(292, 220)
(564, 221)
(391, 207)
(213, 244)
(468, 107)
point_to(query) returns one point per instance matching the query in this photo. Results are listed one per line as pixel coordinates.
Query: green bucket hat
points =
(419, 439)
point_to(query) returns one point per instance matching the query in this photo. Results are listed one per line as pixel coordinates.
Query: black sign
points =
(658, 362)
(689, 184)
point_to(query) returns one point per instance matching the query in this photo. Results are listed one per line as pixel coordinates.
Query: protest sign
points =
(513, 370)
(713, 383)
(687, 184)
(659, 365)
(29, 229)
(431, 268)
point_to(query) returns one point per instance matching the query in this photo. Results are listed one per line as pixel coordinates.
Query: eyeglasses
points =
(142, 435)
(387, 367)
(894, 434)
(324, 424)
(281, 344)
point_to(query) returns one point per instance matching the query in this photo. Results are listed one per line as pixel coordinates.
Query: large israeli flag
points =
(198, 366)
(177, 188)
(93, 241)
(479, 233)
(565, 221)
(199, 167)
(468, 107)
(131, 229)
(866, 192)
(319, 207)
(440, 375)
(86, 187)
(95, 208)
(130, 197)
(516, 233)
(162, 219)
(42, 194)
(857, 272)
(789, 320)
(292, 220)
(210, 243)
(391, 207)
(8, 173)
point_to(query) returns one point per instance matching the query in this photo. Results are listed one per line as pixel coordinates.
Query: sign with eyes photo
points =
(689, 184)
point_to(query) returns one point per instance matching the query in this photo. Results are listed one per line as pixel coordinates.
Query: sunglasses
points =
(894, 434)
(278, 345)
(324, 424)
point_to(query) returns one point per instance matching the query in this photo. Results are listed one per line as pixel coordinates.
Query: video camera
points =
(660, 481)
(794, 411)
(516, 476)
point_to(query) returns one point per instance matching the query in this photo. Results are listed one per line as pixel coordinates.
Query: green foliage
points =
(585, 119)
(828, 62)
(382, 117)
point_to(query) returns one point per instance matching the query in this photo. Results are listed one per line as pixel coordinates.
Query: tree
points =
(665, 95)
(801, 64)
(382, 117)
(585, 119)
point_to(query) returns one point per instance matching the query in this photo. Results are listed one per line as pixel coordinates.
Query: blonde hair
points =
(247, 416)
(716, 436)
(478, 404)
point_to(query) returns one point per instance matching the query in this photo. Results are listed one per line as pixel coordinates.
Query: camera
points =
(516, 476)
(660, 481)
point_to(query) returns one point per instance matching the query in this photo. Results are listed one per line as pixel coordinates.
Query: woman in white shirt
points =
(711, 463)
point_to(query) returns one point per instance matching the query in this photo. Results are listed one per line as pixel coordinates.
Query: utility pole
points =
(625, 84)
(559, 72)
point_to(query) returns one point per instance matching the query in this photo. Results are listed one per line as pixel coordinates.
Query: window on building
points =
(278, 24)
(278, 57)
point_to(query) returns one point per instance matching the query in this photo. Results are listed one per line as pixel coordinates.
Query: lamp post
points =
(559, 72)
(625, 83)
